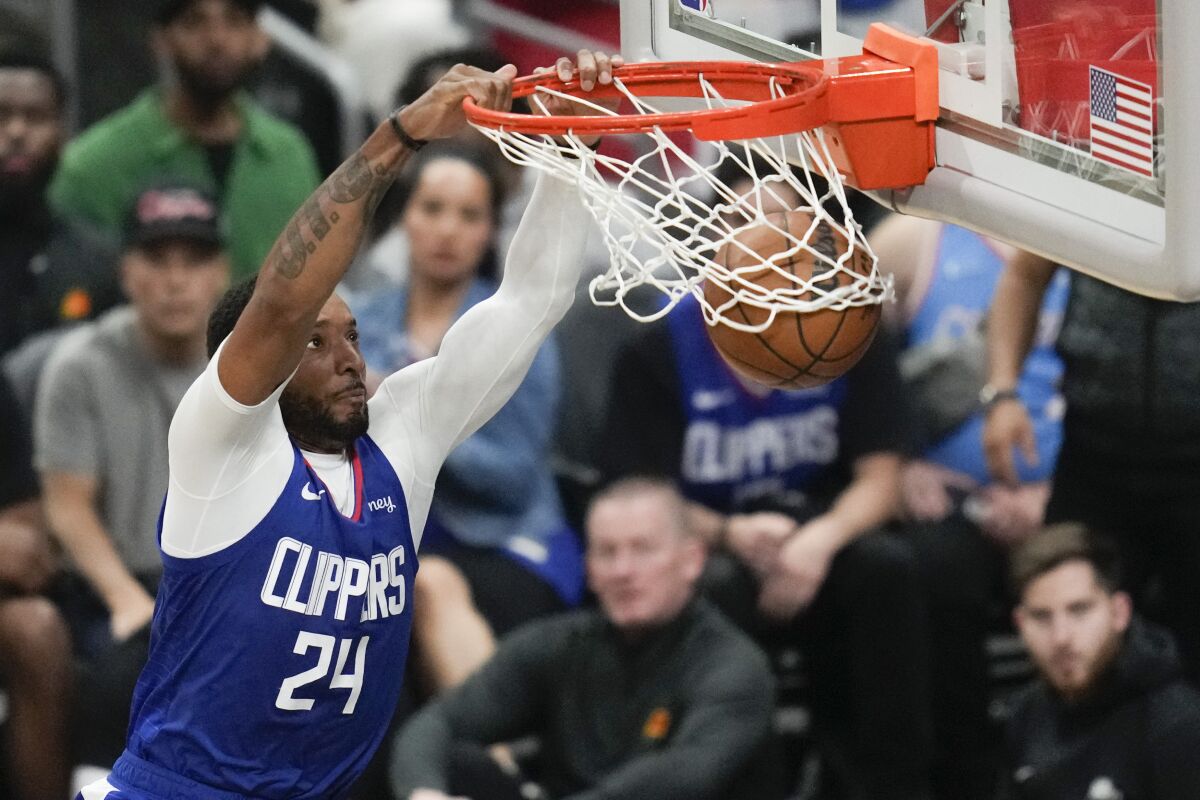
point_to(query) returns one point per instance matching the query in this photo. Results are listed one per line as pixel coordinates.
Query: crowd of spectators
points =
(617, 565)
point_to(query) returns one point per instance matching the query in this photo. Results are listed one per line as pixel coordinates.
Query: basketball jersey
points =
(275, 664)
(965, 272)
(739, 447)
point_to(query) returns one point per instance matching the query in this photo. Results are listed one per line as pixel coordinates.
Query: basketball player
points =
(295, 507)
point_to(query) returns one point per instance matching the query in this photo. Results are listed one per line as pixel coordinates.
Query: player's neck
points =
(215, 122)
(325, 447)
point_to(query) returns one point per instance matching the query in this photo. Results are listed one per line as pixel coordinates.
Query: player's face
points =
(641, 567)
(325, 405)
(1072, 626)
(448, 221)
(174, 285)
(30, 131)
(214, 46)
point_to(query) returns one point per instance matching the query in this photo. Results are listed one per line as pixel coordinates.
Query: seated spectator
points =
(1111, 715)
(100, 431)
(1129, 465)
(35, 647)
(801, 556)
(960, 520)
(201, 126)
(53, 269)
(652, 695)
(496, 522)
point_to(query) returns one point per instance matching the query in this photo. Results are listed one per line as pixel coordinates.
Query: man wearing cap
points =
(198, 124)
(103, 409)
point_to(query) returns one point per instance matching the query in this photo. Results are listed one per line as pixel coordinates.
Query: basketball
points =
(797, 350)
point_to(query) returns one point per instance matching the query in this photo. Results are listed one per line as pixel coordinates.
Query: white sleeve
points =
(422, 412)
(228, 464)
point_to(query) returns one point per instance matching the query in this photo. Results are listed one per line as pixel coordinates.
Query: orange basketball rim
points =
(877, 110)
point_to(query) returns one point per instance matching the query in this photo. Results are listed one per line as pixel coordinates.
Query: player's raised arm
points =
(318, 244)
(487, 352)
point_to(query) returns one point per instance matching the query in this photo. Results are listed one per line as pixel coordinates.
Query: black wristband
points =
(401, 134)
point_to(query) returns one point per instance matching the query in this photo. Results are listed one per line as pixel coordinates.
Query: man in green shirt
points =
(199, 126)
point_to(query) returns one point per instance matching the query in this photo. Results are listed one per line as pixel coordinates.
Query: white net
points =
(670, 222)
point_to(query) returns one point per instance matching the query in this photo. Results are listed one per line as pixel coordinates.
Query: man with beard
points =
(199, 125)
(53, 270)
(1112, 717)
(294, 506)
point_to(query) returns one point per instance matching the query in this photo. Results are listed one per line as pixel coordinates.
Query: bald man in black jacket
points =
(653, 695)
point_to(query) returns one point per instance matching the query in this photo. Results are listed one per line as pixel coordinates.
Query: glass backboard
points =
(1054, 122)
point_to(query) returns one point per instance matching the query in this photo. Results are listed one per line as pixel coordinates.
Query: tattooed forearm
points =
(352, 180)
(356, 182)
(290, 251)
(314, 215)
(379, 187)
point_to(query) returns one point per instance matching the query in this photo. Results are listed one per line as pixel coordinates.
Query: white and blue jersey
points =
(287, 647)
(282, 622)
(740, 446)
(678, 410)
(966, 270)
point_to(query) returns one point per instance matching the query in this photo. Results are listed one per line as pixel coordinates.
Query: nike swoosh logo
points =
(308, 494)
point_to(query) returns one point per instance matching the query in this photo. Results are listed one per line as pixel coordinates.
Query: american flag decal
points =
(1122, 112)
